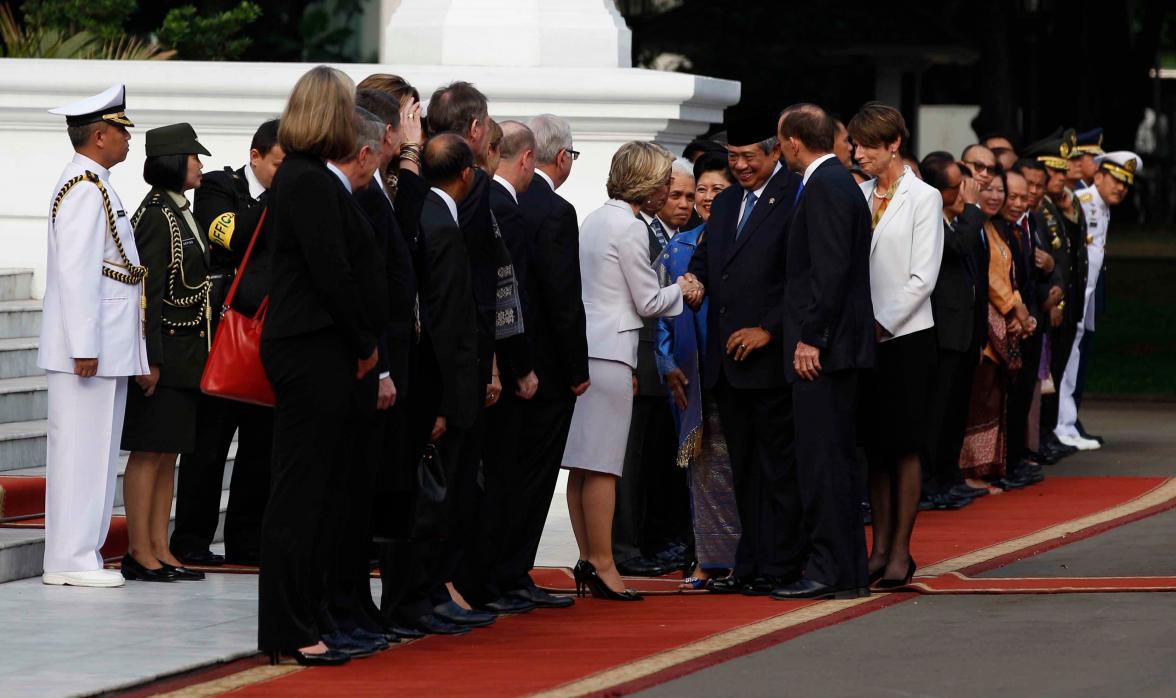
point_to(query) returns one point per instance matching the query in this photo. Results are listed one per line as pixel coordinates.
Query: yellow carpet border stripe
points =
(232, 682)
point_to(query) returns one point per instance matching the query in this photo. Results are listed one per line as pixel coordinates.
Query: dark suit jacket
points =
(323, 259)
(553, 305)
(477, 227)
(180, 352)
(397, 335)
(449, 312)
(962, 280)
(828, 270)
(745, 281)
(514, 359)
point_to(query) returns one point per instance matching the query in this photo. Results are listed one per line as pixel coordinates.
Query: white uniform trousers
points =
(85, 428)
(1067, 407)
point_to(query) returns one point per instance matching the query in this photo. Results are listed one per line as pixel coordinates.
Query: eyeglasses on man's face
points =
(979, 167)
(573, 154)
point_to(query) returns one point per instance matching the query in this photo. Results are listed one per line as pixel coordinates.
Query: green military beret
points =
(177, 139)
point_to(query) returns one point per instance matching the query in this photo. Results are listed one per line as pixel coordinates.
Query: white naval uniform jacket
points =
(1098, 219)
(87, 315)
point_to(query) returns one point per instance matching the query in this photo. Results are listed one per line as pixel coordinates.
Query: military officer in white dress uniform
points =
(91, 340)
(1114, 177)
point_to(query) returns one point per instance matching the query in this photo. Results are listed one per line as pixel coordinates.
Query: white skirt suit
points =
(620, 287)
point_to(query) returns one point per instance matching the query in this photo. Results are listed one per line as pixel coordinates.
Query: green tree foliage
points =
(210, 38)
(102, 18)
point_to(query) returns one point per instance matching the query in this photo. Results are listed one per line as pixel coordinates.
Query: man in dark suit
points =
(828, 340)
(961, 289)
(741, 264)
(449, 316)
(481, 579)
(228, 207)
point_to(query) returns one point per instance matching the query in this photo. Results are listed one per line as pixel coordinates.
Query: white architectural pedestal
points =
(566, 57)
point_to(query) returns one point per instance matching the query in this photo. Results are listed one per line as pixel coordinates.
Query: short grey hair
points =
(768, 145)
(683, 167)
(516, 139)
(369, 131)
(79, 136)
(552, 134)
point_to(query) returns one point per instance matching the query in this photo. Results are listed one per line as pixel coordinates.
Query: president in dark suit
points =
(828, 340)
(740, 262)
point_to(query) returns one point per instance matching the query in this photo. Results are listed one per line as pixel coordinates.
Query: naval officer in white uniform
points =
(91, 340)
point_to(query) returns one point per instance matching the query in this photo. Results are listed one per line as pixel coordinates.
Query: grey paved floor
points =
(1062, 645)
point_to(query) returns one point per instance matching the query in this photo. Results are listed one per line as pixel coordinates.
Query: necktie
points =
(799, 191)
(749, 200)
(659, 231)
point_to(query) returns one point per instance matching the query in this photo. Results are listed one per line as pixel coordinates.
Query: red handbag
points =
(234, 369)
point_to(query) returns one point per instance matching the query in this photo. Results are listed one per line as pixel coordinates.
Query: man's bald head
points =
(447, 161)
(516, 140)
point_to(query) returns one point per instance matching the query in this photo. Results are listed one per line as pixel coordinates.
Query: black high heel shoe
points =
(876, 575)
(578, 574)
(600, 590)
(884, 583)
(329, 658)
(183, 574)
(132, 570)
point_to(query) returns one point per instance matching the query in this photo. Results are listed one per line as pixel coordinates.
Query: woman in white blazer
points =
(620, 287)
(905, 252)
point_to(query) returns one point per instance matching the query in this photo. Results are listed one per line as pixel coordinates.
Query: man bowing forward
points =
(91, 340)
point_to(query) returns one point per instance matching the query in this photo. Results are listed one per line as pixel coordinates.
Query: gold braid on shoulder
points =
(135, 273)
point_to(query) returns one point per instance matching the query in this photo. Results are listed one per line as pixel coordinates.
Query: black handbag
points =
(429, 520)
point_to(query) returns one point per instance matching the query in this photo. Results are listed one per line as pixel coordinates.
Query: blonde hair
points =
(319, 118)
(638, 168)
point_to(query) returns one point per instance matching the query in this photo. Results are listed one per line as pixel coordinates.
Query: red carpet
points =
(608, 648)
(956, 583)
(21, 497)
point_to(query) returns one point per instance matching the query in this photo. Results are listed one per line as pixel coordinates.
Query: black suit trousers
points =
(947, 418)
(1020, 399)
(828, 478)
(758, 425)
(201, 479)
(522, 453)
(350, 594)
(313, 376)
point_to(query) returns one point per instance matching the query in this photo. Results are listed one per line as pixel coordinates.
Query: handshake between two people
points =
(692, 290)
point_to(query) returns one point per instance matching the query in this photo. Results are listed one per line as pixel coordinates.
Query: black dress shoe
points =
(432, 624)
(329, 658)
(453, 613)
(809, 589)
(728, 585)
(133, 571)
(404, 633)
(506, 605)
(183, 574)
(762, 585)
(203, 558)
(644, 567)
(966, 491)
(349, 645)
(945, 501)
(1054, 451)
(541, 598)
(377, 639)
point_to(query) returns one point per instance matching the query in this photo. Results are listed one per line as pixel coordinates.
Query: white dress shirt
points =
(509, 187)
(256, 189)
(342, 177)
(448, 202)
(546, 176)
(808, 171)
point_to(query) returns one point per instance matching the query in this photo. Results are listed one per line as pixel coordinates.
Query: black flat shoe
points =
(183, 574)
(600, 590)
(507, 605)
(432, 624)
(885, 583)
(454, 613)
(203, 558)
(350, 646)
(133, 571)
(541, 598)
(404, 633)
(328, 658)
(644, 567)
(809, 589)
